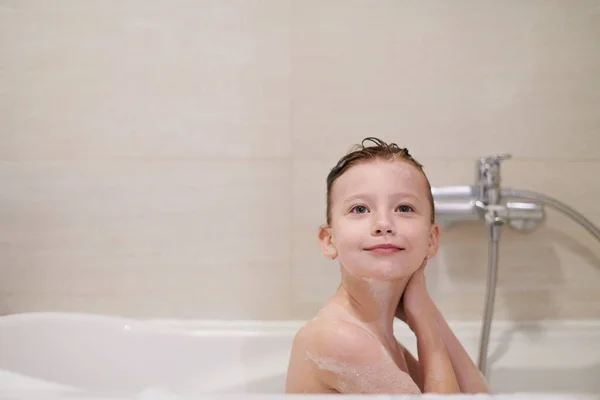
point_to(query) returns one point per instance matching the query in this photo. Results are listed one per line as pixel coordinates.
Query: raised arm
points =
(468, 376)
(437, 373)
(428, 324)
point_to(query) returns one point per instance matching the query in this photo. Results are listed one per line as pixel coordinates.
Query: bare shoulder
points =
(347, 358)
(347, 342)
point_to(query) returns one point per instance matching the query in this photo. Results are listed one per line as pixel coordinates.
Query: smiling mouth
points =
(384, 248)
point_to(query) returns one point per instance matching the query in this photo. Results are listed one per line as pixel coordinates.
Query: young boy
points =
(381, 228)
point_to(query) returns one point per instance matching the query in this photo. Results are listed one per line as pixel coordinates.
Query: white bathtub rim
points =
(463, 329)
(546, 347)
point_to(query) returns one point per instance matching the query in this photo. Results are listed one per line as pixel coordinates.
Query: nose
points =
(382, 226)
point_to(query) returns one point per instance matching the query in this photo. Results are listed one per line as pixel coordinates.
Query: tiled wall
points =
(168, 159)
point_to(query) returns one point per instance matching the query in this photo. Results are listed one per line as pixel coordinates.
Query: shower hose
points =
(494, 225)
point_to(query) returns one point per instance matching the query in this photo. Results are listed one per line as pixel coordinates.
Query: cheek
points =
(348, 241)
(419, 238)
(421, 234)
(346, 244)
(348, 233)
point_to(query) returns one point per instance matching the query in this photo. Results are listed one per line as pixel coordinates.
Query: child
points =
(380, 226)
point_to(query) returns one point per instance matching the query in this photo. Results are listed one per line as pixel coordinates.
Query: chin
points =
(382, 271)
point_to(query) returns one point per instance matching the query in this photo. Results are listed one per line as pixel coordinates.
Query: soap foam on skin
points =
(363, 378)
(355, 378)
(380, 290)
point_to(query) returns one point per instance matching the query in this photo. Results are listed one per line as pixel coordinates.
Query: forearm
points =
(437, 371)
(469, 378)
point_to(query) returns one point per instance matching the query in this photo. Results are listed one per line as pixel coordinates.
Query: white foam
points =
(357, 378)
(381, 291)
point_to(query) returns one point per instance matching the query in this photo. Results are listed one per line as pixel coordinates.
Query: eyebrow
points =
(393, 195)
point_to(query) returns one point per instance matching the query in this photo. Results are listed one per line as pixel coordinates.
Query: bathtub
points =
(109, 356)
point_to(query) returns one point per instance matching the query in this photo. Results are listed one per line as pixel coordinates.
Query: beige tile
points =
(128, 229)
(573, 183)
(192, 290)
(314, 277)
(539, 277)
(100, 80)
(447, 81)
(211, 208)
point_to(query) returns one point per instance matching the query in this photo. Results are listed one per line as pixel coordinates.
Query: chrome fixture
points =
(487, 201)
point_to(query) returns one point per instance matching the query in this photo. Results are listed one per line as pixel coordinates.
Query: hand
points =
(415, 298)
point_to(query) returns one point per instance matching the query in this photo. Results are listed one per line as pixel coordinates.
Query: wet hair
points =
(379, 151)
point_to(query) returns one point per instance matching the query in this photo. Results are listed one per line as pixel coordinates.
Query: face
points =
(380, 220)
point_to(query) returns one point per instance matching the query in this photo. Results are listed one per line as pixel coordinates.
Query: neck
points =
(373, 302)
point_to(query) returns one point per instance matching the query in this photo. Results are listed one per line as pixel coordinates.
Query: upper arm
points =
(351, 361)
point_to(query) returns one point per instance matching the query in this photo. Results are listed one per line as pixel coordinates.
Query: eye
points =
(359, 209)
(405, 208)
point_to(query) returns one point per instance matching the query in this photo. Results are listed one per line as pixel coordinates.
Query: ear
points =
(326, 242)
(434, 240)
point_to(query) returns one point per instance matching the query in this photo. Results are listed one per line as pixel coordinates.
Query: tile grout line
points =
(291, 291)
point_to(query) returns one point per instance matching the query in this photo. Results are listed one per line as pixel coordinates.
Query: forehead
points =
(380, 177)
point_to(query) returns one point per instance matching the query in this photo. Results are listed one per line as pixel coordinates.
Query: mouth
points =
(385, 248)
